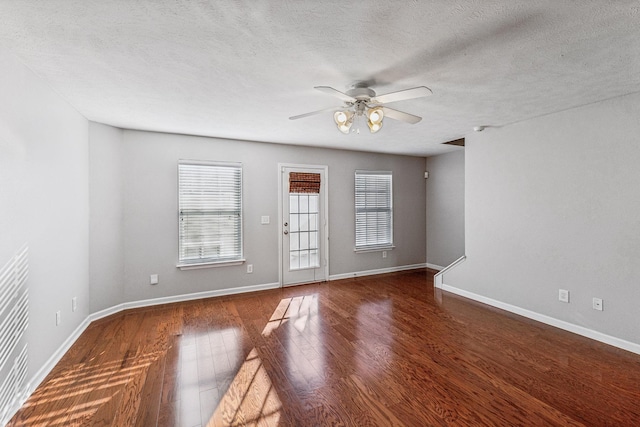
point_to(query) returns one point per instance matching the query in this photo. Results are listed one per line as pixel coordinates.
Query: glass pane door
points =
(303, 231)
(303, 225)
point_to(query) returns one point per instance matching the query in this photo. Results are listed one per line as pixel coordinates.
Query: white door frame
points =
(325, 211)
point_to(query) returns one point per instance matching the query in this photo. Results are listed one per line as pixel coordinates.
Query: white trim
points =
(371, 172)
(576, 329)
(106, 312)
(376, 271)
(364, 249)
(210, 264)
(209, 163)
(439, 276)
(44, 370)
(435, 267)
(182, 298)
(291, 285)
(325, 202)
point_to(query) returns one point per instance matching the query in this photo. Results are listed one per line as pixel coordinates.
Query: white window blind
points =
(210, 212)
(374, 210)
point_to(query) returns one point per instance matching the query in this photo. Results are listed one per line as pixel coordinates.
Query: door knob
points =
(286, 231)
(286, 223)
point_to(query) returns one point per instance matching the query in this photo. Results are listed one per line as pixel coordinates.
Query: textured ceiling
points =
(239, 69)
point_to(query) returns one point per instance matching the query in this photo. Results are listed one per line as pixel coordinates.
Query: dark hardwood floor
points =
(374, 351)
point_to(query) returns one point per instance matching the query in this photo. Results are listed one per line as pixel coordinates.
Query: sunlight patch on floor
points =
(86, 388)
(251, 398)
(297, 309)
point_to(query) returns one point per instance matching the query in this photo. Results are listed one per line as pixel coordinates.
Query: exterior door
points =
(303, 225)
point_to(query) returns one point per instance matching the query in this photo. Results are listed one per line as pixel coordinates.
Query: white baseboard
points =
(438, 278)
(181, 298)
(435, 267)
(576, 329)
(106, 312)
(39, 376)
(376, 271)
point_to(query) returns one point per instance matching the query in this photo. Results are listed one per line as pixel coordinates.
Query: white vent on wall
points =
(14, 319)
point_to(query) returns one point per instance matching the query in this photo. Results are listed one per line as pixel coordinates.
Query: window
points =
(374, 210)
(210, 213)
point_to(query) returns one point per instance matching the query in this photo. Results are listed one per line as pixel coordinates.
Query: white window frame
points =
(361, 208)
(187, 263)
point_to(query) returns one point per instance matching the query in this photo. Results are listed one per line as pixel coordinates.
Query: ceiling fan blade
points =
(313, 113)
(334, 92)
(400, 115)
(402, 95)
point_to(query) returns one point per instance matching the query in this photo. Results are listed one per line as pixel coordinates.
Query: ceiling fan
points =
(363, 101)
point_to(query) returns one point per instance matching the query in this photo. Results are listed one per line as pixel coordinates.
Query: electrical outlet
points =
(384, 254)
(249, 268)
(153, 279)
(58, 317)
(597, 304)
(563, 295)
(74, 303)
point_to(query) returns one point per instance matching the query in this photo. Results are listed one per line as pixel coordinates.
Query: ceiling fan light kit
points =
(375, 116)
(362, 101)
(344, 120)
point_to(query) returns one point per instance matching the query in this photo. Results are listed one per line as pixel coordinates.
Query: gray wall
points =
(44, 195)
(97, 207)
(150, 211)
(445, 208)
(554, 202)
(106, 245)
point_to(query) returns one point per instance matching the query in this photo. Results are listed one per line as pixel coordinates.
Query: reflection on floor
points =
(380, 350)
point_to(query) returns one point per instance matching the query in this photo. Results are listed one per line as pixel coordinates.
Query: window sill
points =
(211, 264)
(375, 249)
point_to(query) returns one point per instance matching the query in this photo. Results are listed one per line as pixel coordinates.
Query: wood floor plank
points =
(381, 350)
